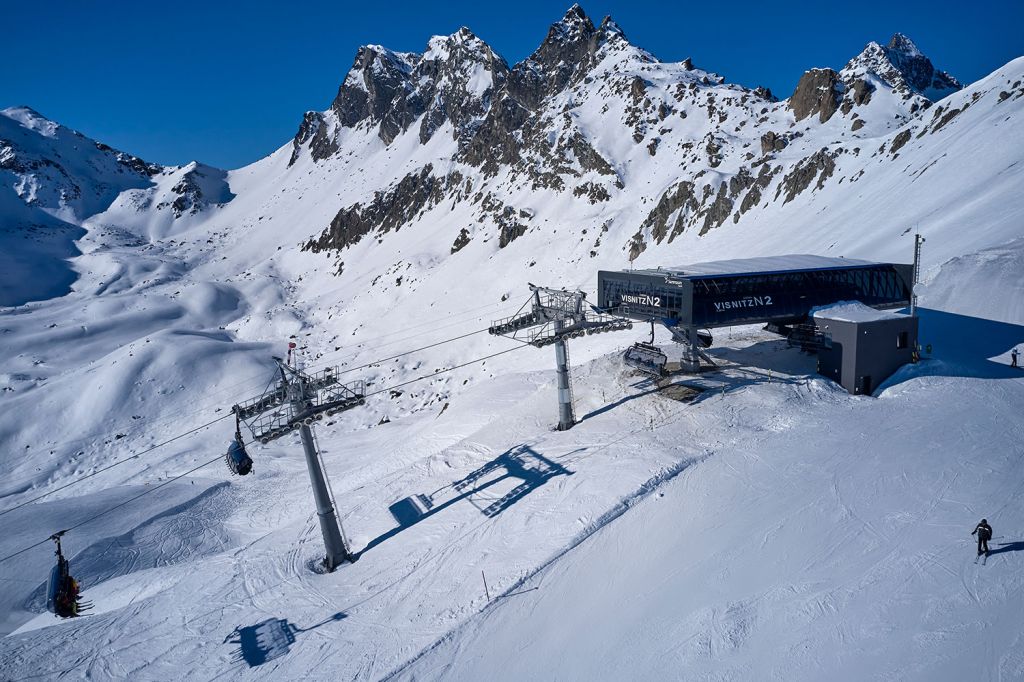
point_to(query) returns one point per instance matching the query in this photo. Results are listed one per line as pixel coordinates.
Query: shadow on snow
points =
(1008, 547)
(522, 462)
(268, 640)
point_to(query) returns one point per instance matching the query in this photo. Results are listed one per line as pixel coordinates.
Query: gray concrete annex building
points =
(864, 345)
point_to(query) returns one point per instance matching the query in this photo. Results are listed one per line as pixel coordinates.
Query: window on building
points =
(901, 340)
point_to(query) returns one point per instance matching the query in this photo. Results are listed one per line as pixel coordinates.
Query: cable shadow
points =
(521, 462)
(268, 640)
(621, 401)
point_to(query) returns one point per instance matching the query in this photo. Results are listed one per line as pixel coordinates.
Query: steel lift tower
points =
(294, 404)
(557, 315)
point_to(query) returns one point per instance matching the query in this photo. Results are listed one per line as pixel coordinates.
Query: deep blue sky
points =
(227, 83)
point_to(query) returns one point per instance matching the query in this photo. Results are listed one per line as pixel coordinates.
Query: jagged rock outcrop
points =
(818, 92)
(556, 123)
(902, 66)
(198, 187)
(819, 165)
(773, 142)
(453, 81)
(388, 210)
(313, 132)
(461, 241)
(567, 54)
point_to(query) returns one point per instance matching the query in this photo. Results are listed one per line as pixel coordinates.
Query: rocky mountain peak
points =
(376, 77)
(451, 81)
(567, 54)
(567, 45)
(574, 23)
(454, 82)
(906, 77)
(611, 29)
(903, 44)
(901, 65)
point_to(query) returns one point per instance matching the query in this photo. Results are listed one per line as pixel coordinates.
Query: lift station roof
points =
(760, 266)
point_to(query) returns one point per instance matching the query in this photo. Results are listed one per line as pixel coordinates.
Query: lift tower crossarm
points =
(555, 316)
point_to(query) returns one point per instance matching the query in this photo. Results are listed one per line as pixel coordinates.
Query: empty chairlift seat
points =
(646, 357)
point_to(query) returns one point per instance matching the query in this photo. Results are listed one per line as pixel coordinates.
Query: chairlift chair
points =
(237, 458)
(62, 590)
(646, 357)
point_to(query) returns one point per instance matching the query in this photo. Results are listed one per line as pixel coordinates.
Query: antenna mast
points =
(918, 241)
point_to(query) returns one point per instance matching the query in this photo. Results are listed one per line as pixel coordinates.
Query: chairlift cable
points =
(221, 390)
(114, 464)
(210, 423)
(117, 506)
(220, 457)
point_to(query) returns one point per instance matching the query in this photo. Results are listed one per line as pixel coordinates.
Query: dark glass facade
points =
(732, 299)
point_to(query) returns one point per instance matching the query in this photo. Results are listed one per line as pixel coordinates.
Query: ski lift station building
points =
(777, 290)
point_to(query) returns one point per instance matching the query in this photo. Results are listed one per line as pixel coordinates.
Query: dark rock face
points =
(819, 165)
(862, 91)
(375, 79)
(917, 70)
(448, 73)
(509, 232)
(772, 142)
(565, 57)
(718, 211)
(460, 241)
(680, 202)
(899, 141)
(594, 193)
(387, 211)
(313, 130)
(453, 81)
(817, 92)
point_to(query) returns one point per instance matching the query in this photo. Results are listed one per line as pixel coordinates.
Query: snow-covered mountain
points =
(52, 179)
(413, 211)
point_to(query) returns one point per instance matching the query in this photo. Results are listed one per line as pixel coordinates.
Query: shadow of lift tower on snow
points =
(522, 462)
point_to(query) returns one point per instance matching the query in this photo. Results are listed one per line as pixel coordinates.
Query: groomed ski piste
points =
(753, 522)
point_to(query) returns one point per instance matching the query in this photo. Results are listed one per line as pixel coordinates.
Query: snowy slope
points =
(414, 211)
(51, 177)
(806, 546)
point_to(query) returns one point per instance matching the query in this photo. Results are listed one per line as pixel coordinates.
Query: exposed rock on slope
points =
(451, 82)
(559, 123)
(818, 92)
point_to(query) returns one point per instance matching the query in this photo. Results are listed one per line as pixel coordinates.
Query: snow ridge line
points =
(624, 505)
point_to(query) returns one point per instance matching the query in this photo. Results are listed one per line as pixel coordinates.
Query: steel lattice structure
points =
(555, 316)
(295, 403)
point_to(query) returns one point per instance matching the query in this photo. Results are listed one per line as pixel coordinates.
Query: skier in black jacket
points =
(984, 533)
